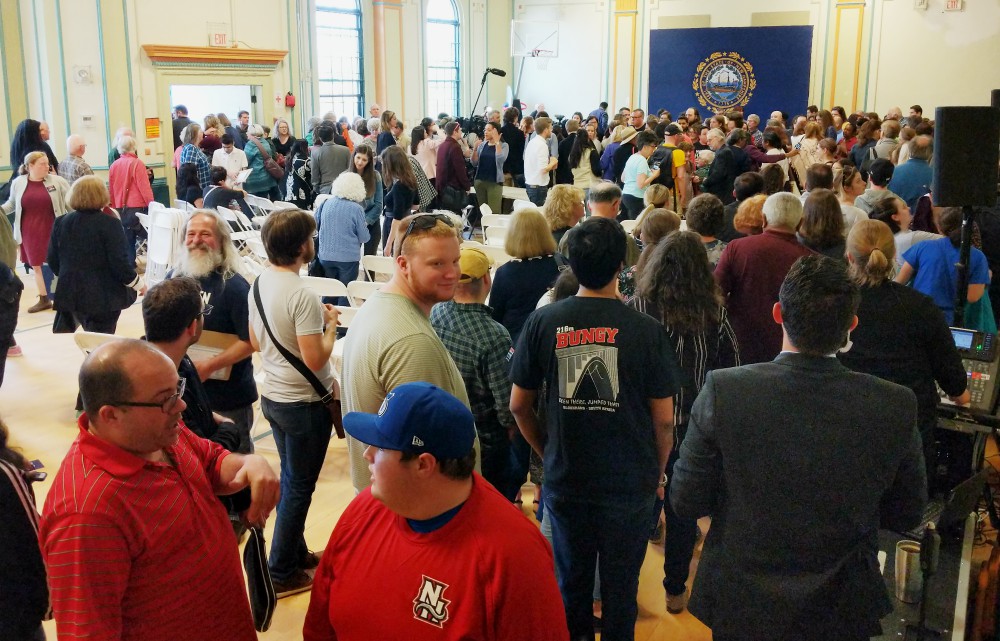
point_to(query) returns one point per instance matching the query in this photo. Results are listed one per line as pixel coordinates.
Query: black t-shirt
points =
(230, 315)
(602, 362)
(399, 200)
(516, 289)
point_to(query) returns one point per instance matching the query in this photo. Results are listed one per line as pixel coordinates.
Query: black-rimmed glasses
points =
(166, 406)
(423, 222)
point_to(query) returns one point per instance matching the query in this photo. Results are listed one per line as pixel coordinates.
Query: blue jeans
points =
(302, 434)
(537, 194)
(344, 272)
(614, 528)
(679, 541)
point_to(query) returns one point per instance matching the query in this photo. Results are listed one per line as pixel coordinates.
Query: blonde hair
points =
(656, 196)
(750, 215)
(528, 235)
(872, 249)
(88, 192)
(560, 203)
(212, 122)
(33, 157)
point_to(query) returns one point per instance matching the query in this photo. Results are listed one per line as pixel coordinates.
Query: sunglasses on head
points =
(423, 222)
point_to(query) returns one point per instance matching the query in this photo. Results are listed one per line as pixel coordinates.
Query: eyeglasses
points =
(167, 406)
(423, 222)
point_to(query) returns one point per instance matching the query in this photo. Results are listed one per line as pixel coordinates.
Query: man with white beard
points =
(210, 258)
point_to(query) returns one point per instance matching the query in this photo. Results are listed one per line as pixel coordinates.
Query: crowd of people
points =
(723, 358)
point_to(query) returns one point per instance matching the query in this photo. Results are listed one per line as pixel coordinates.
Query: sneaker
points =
(677, 602)
(14, 350)
(311, 562)
(298, 582)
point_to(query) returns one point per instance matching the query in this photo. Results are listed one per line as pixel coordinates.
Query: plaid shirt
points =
(757, 137)
(190, 153)
(479, 346)
(73, 168)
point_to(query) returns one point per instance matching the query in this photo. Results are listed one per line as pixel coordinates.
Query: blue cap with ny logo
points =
(417, 418)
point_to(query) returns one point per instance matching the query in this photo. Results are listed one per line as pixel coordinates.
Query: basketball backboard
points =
(534, 39)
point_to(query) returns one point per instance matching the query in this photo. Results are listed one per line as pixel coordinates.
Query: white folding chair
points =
(358, 291)
(523, 204)
(629, 225)
(253, 268)
(485, 209)
(164, 239)
(283, 204)
(320, 199)
(257, 251)
(495, 236)
(89, 341)
(263, 206)
(378, 268)
(495, 220)
(325, 286)
(183, 205)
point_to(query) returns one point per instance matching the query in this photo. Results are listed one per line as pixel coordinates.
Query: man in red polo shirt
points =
(750, 273)
(135, 542)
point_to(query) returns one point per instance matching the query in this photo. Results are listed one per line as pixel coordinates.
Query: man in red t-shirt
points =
(431, 550)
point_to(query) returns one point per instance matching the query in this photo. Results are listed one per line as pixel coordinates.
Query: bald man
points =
(74, 167)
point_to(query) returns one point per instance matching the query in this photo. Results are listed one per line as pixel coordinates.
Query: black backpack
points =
(664, 154)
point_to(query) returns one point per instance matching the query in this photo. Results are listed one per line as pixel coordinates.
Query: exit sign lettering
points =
(218, 39)
(953, 5)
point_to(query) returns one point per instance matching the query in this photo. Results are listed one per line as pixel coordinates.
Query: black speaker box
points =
(996, 98)
(966, 156)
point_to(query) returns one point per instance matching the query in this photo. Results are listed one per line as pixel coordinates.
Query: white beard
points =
(199, 262)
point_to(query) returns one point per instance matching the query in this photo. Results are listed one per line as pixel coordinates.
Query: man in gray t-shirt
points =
(391, 340)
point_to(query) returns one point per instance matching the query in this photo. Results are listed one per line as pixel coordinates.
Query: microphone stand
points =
(930, 548)
(480, 95)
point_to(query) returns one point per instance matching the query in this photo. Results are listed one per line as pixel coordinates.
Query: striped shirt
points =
(142, 550)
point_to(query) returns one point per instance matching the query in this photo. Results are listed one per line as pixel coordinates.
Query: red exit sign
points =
(953, 5)
(218, 39)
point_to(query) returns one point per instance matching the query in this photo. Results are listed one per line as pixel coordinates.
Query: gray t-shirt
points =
(292, 310)
(391, 342)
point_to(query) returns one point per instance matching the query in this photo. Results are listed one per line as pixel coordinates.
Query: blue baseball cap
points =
(417, 418)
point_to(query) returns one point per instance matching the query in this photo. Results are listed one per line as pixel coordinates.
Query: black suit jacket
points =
(564, 173)
(798, 461)
(87, 252)
(729, 163)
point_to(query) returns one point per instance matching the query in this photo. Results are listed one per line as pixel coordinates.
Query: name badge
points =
(50, 188)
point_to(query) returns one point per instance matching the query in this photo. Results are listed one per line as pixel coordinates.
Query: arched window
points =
(442, 57)
(339, 47)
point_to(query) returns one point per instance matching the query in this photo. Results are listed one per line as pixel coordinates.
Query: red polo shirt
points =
(142, 550)
(750, 273)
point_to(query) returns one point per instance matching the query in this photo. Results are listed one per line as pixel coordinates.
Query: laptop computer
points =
(953, 508)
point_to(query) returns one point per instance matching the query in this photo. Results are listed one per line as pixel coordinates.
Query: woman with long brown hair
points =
(677, 288)
(402, 194)
(822, 227)
(363, 163)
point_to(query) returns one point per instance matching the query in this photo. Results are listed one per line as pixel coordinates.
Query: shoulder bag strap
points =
(260, 148)
(325, 395)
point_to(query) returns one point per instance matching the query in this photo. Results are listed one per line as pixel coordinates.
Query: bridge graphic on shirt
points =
(588, 372)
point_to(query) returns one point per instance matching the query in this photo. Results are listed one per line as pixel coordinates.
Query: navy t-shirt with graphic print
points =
(602, 362)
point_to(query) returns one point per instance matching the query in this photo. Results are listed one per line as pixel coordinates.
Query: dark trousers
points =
(243, 417)
(520, 455)
(633, 206)
(537, 194)
(386, 228)
(494, 454)
(613, 528)
(375, 237)
(302, 434)
(680, 538)
(105, 323)
(10, 302)
(344, 272)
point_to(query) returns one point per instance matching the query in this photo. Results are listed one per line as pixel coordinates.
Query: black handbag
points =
(262, 596)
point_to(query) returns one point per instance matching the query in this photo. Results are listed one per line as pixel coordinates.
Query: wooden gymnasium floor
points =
(36, 402)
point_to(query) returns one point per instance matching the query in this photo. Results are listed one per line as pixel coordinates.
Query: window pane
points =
(441, 10)
(339, 47)
(343, 5)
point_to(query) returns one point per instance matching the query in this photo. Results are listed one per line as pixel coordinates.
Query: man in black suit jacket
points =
(730, 161)
(799, 462)
(564, 173)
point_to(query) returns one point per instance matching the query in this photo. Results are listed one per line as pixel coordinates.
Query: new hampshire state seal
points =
(724, 80)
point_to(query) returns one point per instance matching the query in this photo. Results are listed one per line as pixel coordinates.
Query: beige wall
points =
(880, 53)
(104, 38)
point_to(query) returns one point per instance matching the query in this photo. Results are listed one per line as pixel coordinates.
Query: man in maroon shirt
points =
(750, 273)
(452, 180)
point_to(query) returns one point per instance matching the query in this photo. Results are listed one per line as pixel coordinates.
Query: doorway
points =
(202, 100)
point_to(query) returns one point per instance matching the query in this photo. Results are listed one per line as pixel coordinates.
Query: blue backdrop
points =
(766, 66)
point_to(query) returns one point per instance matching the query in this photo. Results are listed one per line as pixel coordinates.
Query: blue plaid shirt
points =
(479, 346)
(190, 153)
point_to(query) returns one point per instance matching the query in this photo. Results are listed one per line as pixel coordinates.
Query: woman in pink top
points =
(424, 147)
(131, 193)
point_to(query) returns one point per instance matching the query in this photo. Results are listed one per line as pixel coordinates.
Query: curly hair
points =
(678, 279)
(561, 204)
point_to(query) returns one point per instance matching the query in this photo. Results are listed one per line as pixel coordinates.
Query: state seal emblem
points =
(724, 80)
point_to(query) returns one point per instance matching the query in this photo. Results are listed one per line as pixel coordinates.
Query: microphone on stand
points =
(496, 72)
